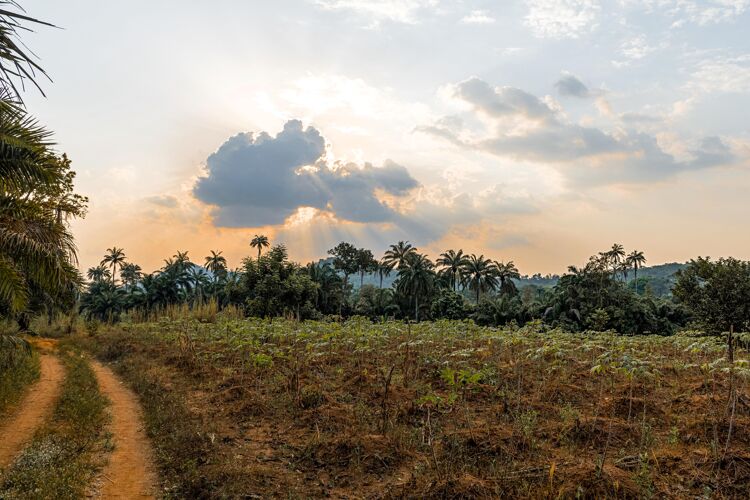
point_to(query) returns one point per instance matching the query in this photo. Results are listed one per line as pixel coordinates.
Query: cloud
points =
(704, 12)
(635, 49)
(569, 85)
(560, 19)
(635, 118)
(254, 181)
(401, 11)
(478, 17)
(524, 127)
(502, 101)
(166, 201)
(721, 74)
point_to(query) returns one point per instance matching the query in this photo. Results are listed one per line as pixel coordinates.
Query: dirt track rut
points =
(130, 471)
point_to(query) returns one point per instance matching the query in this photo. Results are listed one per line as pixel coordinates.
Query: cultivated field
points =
(446, 409)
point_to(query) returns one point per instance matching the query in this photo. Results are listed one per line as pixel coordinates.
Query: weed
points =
(17, 372)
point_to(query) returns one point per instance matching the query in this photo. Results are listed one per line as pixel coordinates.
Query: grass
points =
(445, 409)
(18, 369)
(65, 453)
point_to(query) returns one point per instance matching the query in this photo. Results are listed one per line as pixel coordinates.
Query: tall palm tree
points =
(480, 275)
(399, 253)
(615, 255)
(416, 278)
(115, 257)
(384, 270)
(505, 273)
(130, 274)
(217, 264)
(36, 247)
(452, 264)
(260, 242)
(636, 259)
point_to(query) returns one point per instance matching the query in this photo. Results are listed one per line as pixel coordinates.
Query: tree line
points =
(456, 285)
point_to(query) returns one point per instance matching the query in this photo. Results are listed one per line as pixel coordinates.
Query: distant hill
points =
(658, 279)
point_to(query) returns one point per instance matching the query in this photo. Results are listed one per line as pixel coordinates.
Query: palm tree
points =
(384, 270)
(636, 259)
(416, 278)
(217, 264)
(37, 251)
(115, 257)
(480, 274)
(98, 273)
(260, 242)
(15, 62)
(399, 253)
(505, 273)
(130, 274)
(198, 280)
(615, 256)
(453, 264)
(329, 284)
(181, 259)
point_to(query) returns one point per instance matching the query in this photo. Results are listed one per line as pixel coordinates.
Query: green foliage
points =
(449, 304)
(593, 297)
(416, 278)
(717, 293)
(19, 367)
(274, 286)
(37, 253)
(375, 303)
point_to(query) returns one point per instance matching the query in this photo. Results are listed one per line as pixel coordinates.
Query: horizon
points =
(509, 144)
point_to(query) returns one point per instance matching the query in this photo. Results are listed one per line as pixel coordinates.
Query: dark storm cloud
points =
(261, 180)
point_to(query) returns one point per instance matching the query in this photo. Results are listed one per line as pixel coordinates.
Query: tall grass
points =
(204, 312)
(18, 369)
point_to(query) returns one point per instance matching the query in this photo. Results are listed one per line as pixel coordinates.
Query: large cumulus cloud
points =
(258, 180)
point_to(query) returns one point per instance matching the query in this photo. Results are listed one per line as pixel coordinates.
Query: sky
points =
(537, 131)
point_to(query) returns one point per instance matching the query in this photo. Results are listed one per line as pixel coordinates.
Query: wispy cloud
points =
(478, 17)
(561, 18)
(401, 11)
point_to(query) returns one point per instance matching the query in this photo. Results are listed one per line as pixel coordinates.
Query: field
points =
(277, 408)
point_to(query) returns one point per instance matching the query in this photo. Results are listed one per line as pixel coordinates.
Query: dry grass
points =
(448, 409)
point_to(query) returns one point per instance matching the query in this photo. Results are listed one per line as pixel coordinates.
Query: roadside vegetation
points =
(65, 453)
(19, 367)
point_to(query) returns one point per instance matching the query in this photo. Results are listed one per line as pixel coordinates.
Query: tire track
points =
(130, 471)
